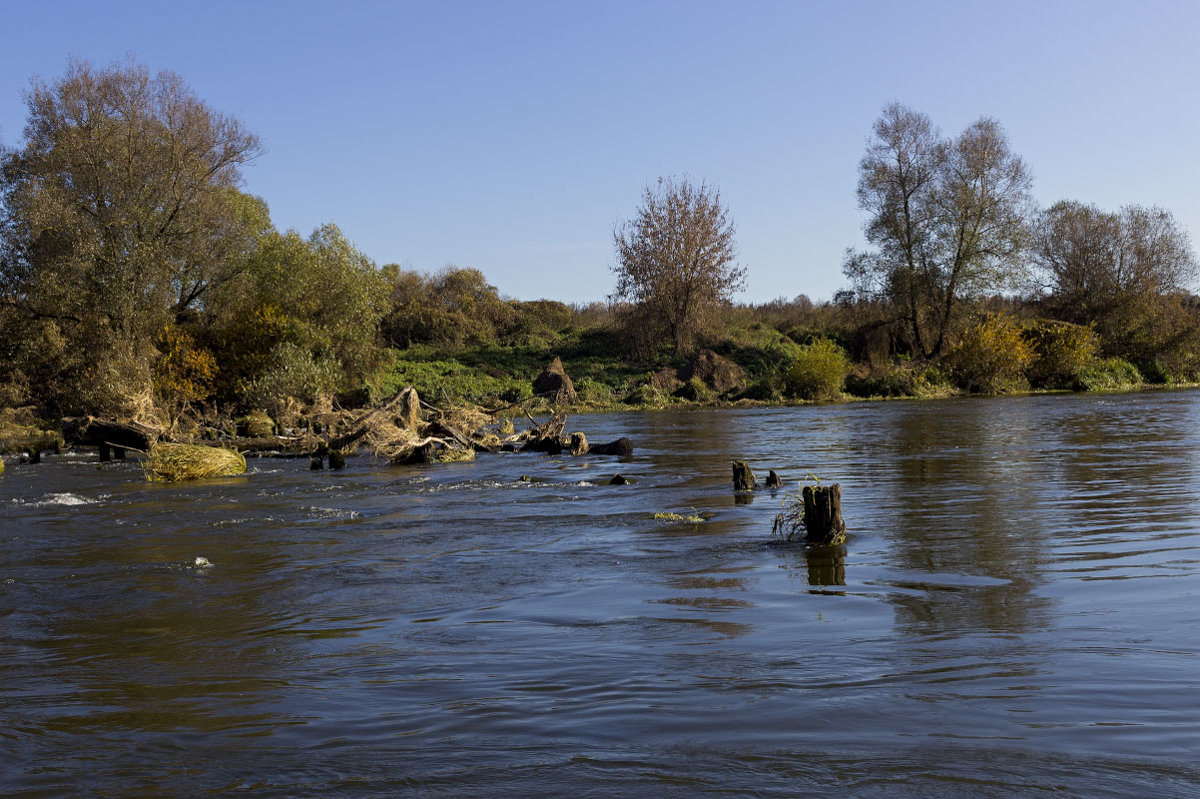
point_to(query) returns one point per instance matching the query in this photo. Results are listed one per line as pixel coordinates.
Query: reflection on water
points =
(1012, 614)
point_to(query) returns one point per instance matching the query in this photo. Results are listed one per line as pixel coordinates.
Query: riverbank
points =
(23, 435)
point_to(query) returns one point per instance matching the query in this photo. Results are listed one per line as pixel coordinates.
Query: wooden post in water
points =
(823, 514)
(743, 478)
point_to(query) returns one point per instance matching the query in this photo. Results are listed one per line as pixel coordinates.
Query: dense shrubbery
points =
(183, 373)
(1062, 352)
(898, 380)
(818, 372)
(992, 356)
(1110, 374)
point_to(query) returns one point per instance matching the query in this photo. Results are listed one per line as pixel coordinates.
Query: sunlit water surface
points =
(1014, 614)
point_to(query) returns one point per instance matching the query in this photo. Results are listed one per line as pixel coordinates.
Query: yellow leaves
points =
(993, 355)
(184, 373)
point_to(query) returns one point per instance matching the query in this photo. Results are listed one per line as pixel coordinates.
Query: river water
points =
(1014, 613)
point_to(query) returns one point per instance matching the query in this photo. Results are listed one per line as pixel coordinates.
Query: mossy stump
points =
(823, 514)
(743, 477)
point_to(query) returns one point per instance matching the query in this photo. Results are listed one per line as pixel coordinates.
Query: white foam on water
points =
(66, 499)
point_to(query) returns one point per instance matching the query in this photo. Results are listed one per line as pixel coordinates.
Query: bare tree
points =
(676, 260)
(1126, 272)
(1091, 261)
(947, 218)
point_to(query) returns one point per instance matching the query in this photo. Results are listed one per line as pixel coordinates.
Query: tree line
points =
(138, 278)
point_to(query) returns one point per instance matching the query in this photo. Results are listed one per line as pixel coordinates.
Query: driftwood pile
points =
(409, 430)
(404, 430)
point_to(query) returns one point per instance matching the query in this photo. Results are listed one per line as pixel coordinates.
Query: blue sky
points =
(512, 136)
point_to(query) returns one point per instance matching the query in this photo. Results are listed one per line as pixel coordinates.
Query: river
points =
(1014, 613)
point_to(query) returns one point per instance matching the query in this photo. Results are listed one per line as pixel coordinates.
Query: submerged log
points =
(743, 477)
(622, 447)
(823, 514)
(109, 436)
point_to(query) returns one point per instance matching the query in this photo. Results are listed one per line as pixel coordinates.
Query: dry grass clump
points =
(171, 462)
(452, 455)
(466, 419)
(256, 424)
(386, 438)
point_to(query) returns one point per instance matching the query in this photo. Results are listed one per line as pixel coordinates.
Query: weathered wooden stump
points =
(408, 410)
(774, 480)
(823, 514)
(579, 444)
(743, 478)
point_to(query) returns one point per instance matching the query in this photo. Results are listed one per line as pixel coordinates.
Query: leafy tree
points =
(302, 306)
(675, 261)
(948, 219)
(120, 213)
(453, 308)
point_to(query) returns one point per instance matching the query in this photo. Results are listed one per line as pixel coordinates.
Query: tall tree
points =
(948, 219)
(121, 209)
(676, 260)
(1123, 271)
(1091, 261)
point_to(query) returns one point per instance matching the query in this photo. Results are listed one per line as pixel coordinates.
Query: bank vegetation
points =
(139, 281)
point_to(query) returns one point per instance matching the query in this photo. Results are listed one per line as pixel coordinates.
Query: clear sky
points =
(511, 136)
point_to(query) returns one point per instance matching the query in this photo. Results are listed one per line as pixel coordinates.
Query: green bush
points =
(1156, 372)
(593, 392)
(993, 356)
(818, 372)
(763, 390)
(1110, 374)
(695, 390)
(646, 395)
(295, 373)
(1062, 352)
(452, 379)
(890, 381)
